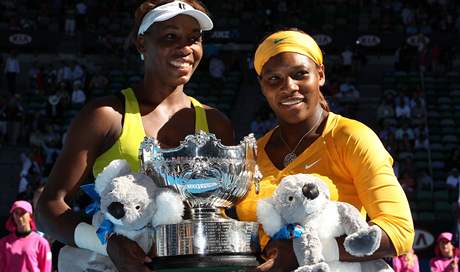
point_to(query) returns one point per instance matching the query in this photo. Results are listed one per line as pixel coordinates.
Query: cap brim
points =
(203, 19)
(21, 205)
(18, 207)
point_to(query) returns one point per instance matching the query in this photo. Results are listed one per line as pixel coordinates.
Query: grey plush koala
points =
(134, 204)
(304, 199)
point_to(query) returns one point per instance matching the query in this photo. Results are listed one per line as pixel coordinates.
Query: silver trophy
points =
(210, 177)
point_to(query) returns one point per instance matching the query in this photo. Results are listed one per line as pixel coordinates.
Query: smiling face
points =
(291, 84)
(172, 49)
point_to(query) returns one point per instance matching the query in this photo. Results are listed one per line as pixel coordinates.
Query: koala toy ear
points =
(269, 217)
(169, 208)
(116, 168)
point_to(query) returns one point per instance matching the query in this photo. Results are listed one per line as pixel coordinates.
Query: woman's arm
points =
(386, 249)
(378, 189)
(85, 139)
(221, 126)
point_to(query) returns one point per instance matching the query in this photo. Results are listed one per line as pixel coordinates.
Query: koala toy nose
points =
(116, 209)
(310, 191)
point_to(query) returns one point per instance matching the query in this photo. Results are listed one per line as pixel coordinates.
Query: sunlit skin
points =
(290, 82)
(172, 50)
(22, 220)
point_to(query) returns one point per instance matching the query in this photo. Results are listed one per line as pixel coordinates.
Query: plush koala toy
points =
(304, 199)
(131, 205)
(134, 204)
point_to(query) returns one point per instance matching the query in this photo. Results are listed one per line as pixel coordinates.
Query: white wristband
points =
(85, 237)
(330, 250)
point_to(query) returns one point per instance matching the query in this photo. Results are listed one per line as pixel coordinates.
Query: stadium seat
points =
(423, 206)
(425, 216)
(443, 207)
(424, 196)
(437, 165)
(421, 155)
(421, 165)
(451, 138)
(441, 195)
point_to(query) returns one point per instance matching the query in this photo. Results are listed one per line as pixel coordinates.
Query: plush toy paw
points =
(363, 242)
(319, 267)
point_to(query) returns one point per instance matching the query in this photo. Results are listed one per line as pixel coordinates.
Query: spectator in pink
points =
(23, 250)
(406, 263)
(446, 256)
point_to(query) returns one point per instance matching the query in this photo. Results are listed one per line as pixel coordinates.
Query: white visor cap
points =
(170, 10)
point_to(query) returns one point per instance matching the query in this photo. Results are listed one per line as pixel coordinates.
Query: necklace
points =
(291, 156)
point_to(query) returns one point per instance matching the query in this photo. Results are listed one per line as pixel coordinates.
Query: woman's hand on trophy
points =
(280, 256)
(126, 254)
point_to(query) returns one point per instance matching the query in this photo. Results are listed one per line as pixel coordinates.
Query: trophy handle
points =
(257, 178)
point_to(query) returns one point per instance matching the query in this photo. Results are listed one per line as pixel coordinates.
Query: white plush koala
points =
(134, 204)
(304, 199)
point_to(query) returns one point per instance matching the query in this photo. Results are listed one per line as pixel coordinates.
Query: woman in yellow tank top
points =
(168, 36)
(311, 139)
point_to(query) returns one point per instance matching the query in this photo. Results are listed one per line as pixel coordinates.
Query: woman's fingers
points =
(266, 266)
(126, 254)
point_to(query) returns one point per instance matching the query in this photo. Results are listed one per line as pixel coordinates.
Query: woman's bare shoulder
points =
(102, 107)
(220, 124)
(99, 115)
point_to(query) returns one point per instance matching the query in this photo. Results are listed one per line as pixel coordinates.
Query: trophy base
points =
(222, 262)
(207, 237)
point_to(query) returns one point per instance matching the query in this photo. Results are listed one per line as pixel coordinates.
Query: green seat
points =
(448, 130)
(436, 146)
(444, 100)
(435, 137)
(438, 156)
(423, 206)
(444, 216)
(440, 195)
(450, 138)
(442, 206)
(453, 196)
(437, 165)
(424, 195)
(421, 165)
(447, 122)
(421, 155)
(425, 216)
(446, 112)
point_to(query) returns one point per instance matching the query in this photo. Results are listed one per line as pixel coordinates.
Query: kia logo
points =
(20, 39)
(416, 40)
(368, 40)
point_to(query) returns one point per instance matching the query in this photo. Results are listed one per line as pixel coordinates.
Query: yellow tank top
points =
(133, 133)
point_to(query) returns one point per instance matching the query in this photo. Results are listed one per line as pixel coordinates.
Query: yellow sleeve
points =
(377, 187)
(246, 209)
